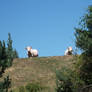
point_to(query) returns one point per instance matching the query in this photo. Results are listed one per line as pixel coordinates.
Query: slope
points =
(37, 70)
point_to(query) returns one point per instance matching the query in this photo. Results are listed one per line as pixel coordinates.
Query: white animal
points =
(68, 51)
(31, 52)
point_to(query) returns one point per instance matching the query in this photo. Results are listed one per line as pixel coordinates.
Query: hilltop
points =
(37, 70)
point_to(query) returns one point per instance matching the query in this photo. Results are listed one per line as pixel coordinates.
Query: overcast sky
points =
(46, 25)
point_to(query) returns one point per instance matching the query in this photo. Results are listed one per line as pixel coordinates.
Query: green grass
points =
(37, 70)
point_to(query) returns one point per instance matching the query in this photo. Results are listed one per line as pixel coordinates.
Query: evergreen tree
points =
(15, 54)
(84, 33)
(9, 50)
(7, 54)
(3, 58)
(0, 50)
(83, 36)
(0, 54)
(9, 42)
(5, 85)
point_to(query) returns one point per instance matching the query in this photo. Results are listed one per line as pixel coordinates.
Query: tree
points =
(83, 36)
(5, 85)
(7, 54)
(84, 33)
(3, 60)
(9, 49)
(10, 52)
(15, 54)
(0, 49)
(9, 42)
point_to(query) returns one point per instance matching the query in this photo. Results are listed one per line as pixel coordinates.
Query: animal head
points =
(28, 48)
(70, 49)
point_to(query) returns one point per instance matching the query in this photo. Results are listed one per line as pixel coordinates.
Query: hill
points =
(37, 70)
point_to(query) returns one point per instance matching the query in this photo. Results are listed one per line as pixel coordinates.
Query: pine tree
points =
(7, 54)
(5, 85)
(3, 57)
(83, 36)
(0, 53)
(84, 33)
(15, 54)
(9, 49)
(10, 52)
(9, 42)
(0, 50)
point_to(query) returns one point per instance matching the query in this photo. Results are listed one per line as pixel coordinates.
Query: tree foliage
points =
(83, 36)
(68, 81)
(5, 85)
(7, 54)
(79, 78)
(30, 87)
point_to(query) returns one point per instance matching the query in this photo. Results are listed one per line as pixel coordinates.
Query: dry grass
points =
(40, 70)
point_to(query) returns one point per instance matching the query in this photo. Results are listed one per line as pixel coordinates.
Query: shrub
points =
(84, 68)
(31, 87)
(68, 81)
(7, 54)
(5, 85)
(22, 89)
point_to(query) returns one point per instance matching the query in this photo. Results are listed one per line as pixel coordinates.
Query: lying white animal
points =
(68, 51)
(31, 52)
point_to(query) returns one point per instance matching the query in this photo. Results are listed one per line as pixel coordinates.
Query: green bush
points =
(30, 87)
(84, 68)
(7, 54)
(83, 35)
(63, 81)
(68, 81)
(22, 89)
(5, 85)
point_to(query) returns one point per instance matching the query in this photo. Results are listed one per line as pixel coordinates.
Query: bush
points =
(68, 81)
(5, 85)
(83, 41)
(84, 67)
(7, 54)
(22, 89)
(30, 87)
(63, 81)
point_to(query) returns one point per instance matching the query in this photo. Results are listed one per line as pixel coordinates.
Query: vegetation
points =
(83, 34)
(60, 74)
(76, 80)
(41, 70)
(7, 54)
(68, 81)
(11, 54)
(30, 87)
(84, 42)
(5, 85)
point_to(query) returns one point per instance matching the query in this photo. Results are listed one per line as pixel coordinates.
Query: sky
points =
(46, 25)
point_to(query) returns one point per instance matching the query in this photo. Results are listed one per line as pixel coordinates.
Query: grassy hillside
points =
(37, 70)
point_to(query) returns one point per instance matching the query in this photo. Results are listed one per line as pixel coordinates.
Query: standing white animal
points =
(68, 51)
(31, 52)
